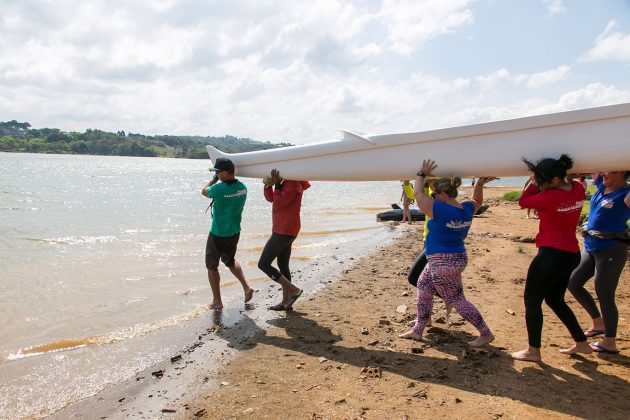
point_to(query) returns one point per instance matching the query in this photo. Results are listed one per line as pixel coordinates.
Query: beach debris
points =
(200, 413)
(365, 331)
(401, 309)
(158, 373)
(341, 401)
(322, 359)
(225, 383)
(168, 410)
(405, 293)
(457, 400)
(248, 411)
(372, 371)
(384, 322)
(373, 343)
(260, 382)
(314, 386)
(417, 350)
(422, 394)
(510, 311)
(176, 358)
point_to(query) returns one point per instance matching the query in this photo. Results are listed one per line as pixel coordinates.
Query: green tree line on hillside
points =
(20, 137)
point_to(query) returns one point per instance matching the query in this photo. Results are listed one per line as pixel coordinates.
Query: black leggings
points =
(547, 279)
(277, 247)
(416, 269)
(606, 266)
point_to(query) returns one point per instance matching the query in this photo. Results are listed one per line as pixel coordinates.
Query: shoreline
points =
(154, 388)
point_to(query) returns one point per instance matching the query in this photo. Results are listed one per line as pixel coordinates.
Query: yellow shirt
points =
(408, 188)
(427, 191)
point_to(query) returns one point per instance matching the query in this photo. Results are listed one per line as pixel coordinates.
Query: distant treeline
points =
(20, 137)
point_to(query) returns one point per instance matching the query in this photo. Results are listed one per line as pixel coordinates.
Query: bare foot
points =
(581, 347)
(249, 294)
(481, 340)
(410, 335)
(215, 305)
(527, 355)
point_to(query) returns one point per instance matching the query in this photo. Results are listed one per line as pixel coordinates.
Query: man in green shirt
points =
(228, 197)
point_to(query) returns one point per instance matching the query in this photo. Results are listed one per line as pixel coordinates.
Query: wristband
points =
(421, 173)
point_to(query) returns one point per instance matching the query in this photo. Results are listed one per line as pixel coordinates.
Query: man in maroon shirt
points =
(286, 199)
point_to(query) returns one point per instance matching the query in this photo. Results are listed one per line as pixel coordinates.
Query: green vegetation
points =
(20, 137)
(512, 195)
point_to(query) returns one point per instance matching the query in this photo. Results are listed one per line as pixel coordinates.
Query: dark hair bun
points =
(456, 182)
(566, 161)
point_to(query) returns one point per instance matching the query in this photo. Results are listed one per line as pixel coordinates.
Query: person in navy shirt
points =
(604, 256)
(445, 251)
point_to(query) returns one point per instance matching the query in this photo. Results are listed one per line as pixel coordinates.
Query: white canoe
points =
(596, 138)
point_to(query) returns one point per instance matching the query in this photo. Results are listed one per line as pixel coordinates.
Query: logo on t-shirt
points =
(571, 206)
(608, 204)
(458, 224)
(238, 193)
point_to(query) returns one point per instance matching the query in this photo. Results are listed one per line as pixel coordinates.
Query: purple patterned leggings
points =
(443, 276)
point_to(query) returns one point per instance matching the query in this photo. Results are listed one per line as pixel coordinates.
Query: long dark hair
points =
(545, 170)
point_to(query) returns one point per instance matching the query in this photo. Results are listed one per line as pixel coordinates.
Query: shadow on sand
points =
(488, 372)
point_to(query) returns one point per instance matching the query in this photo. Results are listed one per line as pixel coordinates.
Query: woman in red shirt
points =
(286, 199)
(559, 204)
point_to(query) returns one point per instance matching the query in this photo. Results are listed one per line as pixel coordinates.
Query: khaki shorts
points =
(218, 247)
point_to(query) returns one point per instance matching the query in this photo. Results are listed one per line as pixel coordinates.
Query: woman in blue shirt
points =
(605, 254)
(446, 254)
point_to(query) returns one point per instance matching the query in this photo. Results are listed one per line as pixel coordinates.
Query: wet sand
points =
(337, 355)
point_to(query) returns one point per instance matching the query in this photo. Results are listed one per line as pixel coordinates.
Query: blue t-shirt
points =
(449, 227)
(608, 213)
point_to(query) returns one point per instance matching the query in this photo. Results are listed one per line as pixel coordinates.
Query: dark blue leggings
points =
(547, 279)
(277, 247)
(606, 265)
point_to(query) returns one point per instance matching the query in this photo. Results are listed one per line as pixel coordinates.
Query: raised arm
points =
(424, 201)
(206, 188)
(477, 196)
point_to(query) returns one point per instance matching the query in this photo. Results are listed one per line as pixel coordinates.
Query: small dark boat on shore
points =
(396, 214)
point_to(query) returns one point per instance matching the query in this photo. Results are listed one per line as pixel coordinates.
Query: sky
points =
(293, 71)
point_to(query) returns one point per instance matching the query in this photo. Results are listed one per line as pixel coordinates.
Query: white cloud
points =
(411, 23)
(554, 6)
(547, 78)
(610, 45)
(532, 81)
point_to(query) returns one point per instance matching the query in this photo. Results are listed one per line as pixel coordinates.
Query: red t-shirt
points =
(559, 212)
(287, 201)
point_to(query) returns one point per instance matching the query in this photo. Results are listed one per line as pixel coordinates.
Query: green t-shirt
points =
(229, 200)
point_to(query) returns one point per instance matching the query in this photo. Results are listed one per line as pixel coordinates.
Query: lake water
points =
(102, 264)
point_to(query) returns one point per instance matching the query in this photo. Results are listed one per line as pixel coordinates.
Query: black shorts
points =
(218, 247)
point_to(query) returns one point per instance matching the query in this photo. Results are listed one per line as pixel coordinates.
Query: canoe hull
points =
(597, 139)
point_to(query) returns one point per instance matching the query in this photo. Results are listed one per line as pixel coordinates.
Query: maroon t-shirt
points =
(287, 201)
(559, 212)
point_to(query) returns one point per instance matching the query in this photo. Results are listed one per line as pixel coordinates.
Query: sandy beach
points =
(337, 355)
